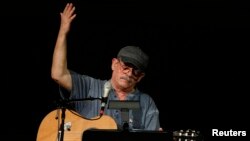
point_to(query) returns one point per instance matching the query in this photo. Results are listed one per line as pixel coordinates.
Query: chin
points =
(124, 83)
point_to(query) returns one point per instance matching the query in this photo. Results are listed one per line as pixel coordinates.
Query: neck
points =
(121, 92)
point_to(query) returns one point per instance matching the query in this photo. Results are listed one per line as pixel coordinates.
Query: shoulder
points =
(147, 103)
(89, 81)
(86, 77)
(144, 96)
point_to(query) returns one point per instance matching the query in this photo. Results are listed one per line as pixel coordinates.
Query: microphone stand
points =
(63, 105)
(61, 129)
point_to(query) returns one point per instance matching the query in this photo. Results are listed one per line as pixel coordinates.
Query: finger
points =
(72, 17)
(71, 11)
(66, 8)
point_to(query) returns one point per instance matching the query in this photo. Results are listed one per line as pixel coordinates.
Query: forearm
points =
(59, 70)
(59, 62)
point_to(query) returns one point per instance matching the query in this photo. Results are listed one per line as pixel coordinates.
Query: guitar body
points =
(74, 126)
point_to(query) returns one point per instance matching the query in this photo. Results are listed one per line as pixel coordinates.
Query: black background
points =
(198, 58)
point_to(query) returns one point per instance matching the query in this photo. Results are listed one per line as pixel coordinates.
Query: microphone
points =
(107, 88)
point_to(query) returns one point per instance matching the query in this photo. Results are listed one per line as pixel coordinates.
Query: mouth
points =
(126, 79)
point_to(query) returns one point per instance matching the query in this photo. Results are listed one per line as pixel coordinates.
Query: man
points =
(127, 71)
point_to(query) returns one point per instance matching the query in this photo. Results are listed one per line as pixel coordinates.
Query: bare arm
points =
(59, 70)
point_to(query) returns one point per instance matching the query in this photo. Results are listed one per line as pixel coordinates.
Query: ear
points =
(114, 63)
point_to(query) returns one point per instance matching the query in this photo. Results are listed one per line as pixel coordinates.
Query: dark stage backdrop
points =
(198, 59)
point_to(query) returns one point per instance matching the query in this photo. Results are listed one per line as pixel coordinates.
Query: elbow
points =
(62, 78)
(55, 75)
(60, 75)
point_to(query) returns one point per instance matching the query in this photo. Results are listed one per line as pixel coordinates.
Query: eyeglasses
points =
(130, 67)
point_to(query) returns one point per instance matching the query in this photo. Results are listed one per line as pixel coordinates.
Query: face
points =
(125, 76)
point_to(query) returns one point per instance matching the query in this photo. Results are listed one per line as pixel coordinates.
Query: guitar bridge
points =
(67, 126)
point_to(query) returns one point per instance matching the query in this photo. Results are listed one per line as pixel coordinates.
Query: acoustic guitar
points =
(74, 125)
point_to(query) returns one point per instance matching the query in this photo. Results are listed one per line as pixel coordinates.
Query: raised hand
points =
(66, 17)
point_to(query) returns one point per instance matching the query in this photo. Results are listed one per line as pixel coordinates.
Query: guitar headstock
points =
(187, 135)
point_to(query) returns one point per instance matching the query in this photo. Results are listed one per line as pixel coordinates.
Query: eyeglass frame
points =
(128, 66)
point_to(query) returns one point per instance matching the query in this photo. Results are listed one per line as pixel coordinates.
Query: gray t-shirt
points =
(146, 118)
